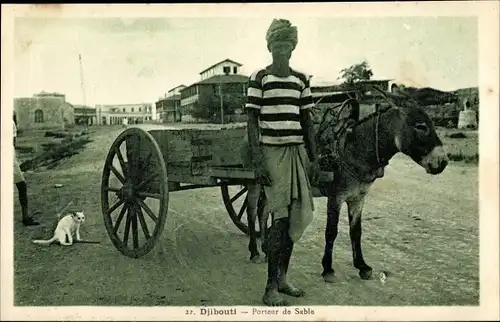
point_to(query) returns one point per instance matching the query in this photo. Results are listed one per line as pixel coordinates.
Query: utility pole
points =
(221, 104)
(81, 81)
(83, 87)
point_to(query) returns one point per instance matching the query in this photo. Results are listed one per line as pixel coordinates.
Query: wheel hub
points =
(128, 192)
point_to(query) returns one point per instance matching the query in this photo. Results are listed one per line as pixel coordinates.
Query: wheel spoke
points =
(127, 228)
(243, 208)
(132, 146)
(148, 179)
(134, 169)
(143, 223)
(149, 195)
(146, 161)
(135, 231)
(122, 161)
(239, 194)
(117, 174)
(115, 206)
(147, 209)
(120, 217)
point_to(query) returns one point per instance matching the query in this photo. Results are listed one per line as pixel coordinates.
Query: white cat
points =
(68, 225)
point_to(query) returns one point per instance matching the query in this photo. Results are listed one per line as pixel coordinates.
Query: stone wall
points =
(43, 112)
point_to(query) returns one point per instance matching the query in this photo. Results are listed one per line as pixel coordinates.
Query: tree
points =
(232, 102)
(355, 73)
(208, 106)
(204, 107)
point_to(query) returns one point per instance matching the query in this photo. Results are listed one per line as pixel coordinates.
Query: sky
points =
(139, 60)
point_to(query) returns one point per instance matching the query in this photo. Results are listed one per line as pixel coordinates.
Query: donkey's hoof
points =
(366, 274)
(255, 259)
(261, 260)
(329, 277)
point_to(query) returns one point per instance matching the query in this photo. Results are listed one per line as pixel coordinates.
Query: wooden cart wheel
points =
(141, 182)
(236, 202)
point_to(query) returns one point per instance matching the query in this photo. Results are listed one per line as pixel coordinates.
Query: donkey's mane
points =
(373, 115)
(401, 101)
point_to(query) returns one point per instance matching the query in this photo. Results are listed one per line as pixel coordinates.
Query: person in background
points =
(281, 140)
(21, 186)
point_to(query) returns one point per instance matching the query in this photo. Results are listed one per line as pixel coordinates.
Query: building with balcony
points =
(43, 111)
(113, 114)
(220, 84)
(168, 107)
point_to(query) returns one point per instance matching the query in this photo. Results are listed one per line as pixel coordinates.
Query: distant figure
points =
(124, 122)
(466, 105)
(20, 183)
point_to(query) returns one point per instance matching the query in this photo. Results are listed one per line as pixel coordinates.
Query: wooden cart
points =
(157, 162)
(144, 166)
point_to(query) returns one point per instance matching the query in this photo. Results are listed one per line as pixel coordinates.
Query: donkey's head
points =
(415, 134)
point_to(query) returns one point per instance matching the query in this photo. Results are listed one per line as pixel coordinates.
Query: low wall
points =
(227, 119)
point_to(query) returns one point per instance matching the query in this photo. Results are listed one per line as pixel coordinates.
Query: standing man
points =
(21, 184)
(281, 140)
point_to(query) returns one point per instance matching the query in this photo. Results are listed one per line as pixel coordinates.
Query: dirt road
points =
(422, 229)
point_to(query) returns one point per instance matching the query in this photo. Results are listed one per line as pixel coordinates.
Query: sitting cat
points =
(68, 225)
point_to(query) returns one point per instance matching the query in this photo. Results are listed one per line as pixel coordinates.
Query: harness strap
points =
(340, 133)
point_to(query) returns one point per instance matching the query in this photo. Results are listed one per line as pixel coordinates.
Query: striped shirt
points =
(279, 101)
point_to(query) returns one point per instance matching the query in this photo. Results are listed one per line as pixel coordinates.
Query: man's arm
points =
(253, 135)
(308, 128)
(253, 106)
(306, 121)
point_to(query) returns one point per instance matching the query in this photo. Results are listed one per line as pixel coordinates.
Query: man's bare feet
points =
(274, 298)
(291, 290)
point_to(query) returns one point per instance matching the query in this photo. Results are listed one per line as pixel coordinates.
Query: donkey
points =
(362, 153)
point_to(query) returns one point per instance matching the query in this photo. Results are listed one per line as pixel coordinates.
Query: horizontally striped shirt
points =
(279, 101)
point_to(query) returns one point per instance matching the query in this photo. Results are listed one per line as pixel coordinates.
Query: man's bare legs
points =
(280, 247)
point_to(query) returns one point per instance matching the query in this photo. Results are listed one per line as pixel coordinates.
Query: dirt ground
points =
(422, 229)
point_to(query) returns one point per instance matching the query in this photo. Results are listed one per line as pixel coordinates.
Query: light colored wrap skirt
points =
(290, 193)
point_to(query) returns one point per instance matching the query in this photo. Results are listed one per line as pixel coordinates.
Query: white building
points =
(175, 91)
(113, 114)
(225, 67)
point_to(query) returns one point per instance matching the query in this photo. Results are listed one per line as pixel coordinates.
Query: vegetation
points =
(208, 106)
(55, 150)
(460, 156)
(422, 229)
(443, 107)
(461, 146)
(356, 73)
